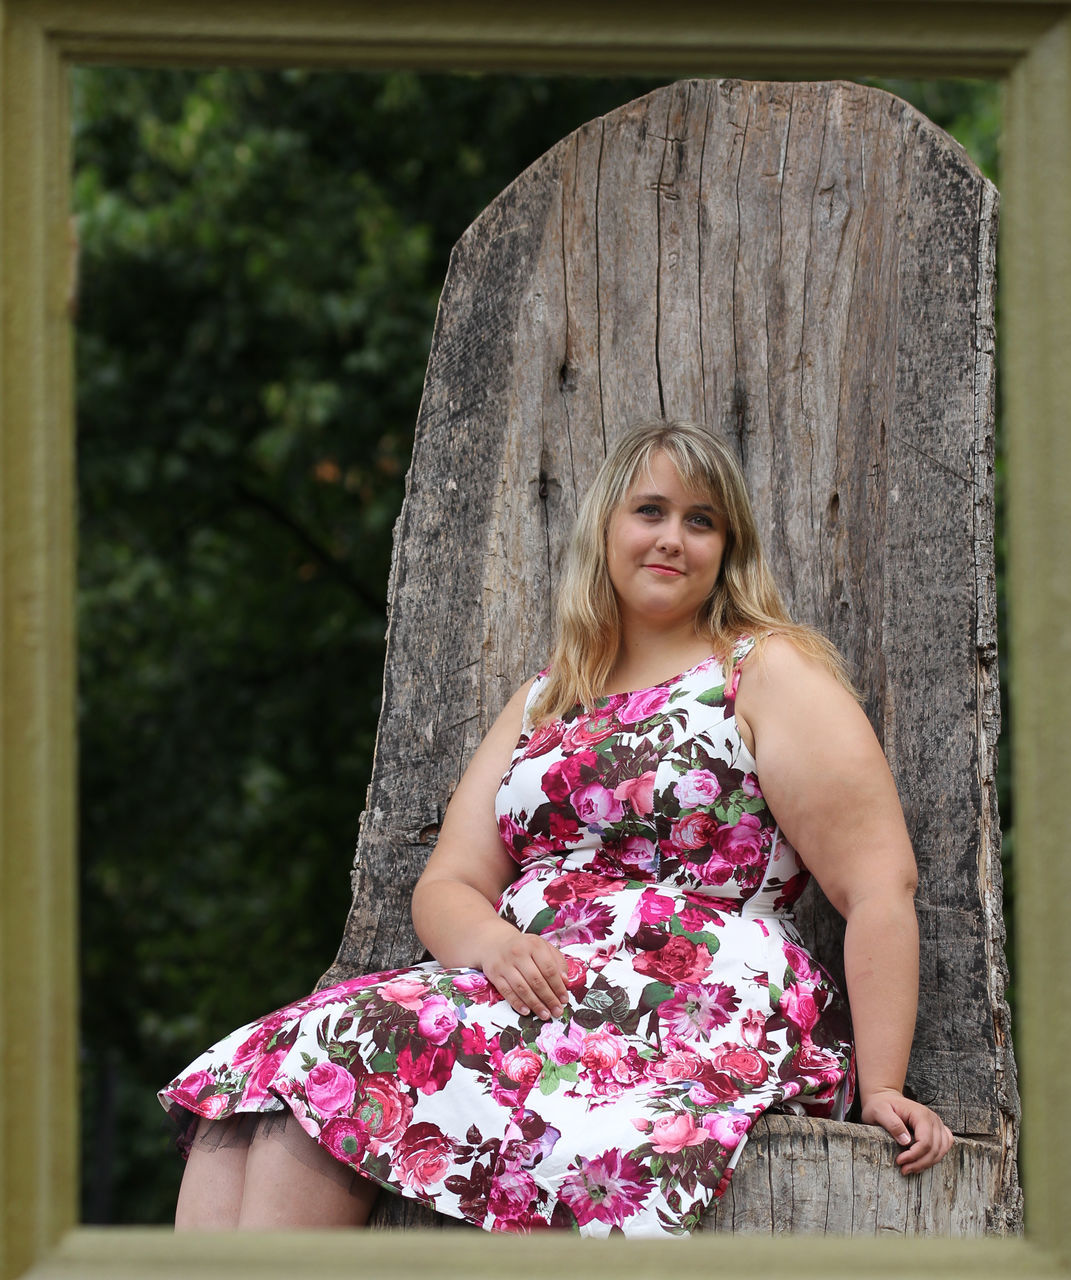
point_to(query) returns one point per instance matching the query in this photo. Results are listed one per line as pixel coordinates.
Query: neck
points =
(648, 654)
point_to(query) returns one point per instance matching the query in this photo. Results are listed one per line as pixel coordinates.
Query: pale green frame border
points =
(1028, 44)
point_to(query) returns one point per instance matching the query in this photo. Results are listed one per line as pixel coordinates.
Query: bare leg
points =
(295, 1183)
(210, 1198)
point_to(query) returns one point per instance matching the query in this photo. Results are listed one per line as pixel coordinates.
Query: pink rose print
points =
(643, 705)
(609, 1188)
(750, 786)
(601, 1051)
(430, 1071)
(405, 991)
(438, 1018)
(475, 987)
(561, 1046)
(214, 1106)
(345, 1138)
(563, 826)
(563, 778)
(515, 1074)
(654, 907)
(580, 884)
(637, 793)
(259, 1039)
(743, 844)
(588, 730)
(329, 1088)
(728, 1127)
(679, 1064)
(818, 1066)
(697, 789)
(544, 739)
(634, 853)
(576, 974)
(696, 919)
(799, 1006)
(740, 1062)
(472, 1040)
(422, 1156)
(799, 962)
(694, 831)
(382, 1108)
(594, 804)
(713, 1089)
(522, 1065)
(261, 1078)
(512, 1195)
(675, 1132)
(191, 1087)
(680, 960)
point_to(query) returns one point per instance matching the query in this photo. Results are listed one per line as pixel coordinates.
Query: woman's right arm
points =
(453, 902)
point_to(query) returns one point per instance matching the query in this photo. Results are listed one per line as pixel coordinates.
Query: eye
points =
(649, 509)
(703, 521)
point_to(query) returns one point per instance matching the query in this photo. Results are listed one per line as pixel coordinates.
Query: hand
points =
(922, 1133)
(524, 969)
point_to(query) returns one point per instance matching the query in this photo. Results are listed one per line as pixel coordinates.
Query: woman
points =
(618, 990)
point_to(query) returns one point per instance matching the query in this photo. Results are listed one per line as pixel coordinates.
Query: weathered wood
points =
(807, 268)
(793, 1176)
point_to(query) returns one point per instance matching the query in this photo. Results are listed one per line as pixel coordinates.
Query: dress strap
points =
(740, 650)
(533, 693)
(742, 647)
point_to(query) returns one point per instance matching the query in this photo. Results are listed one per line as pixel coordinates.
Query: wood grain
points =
(807, 268)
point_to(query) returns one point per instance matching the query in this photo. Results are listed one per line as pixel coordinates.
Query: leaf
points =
(589, 1019)
(654, 994)
(384, 1062)
(712, 697)
(542, 920)
(599, 998)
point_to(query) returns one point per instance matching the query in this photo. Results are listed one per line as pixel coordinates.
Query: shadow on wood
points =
(808, 269)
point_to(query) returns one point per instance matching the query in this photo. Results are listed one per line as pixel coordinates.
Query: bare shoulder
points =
(777, 661)
(780, 683)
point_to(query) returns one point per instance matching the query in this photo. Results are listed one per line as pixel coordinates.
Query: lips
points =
(664, 569)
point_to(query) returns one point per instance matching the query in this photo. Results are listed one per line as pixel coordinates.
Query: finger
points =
(925, 1154)
(527, 991)
(508, 993)
(894, 1125)
(554, 971)
(545, 1000)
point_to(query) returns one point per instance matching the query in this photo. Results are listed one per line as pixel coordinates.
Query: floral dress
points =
(647, 854)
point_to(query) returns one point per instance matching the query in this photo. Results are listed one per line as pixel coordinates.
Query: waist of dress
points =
(758, 904)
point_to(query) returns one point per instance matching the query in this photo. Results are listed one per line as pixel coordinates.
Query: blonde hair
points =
(745, 599)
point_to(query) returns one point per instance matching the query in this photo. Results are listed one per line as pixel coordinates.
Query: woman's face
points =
(664, 548)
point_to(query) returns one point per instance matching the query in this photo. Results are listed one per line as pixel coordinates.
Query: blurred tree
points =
(261, 259)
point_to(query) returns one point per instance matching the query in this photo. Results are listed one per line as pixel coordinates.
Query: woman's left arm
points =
(829, 787)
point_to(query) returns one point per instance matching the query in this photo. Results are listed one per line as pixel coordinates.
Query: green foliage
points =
(261, 260)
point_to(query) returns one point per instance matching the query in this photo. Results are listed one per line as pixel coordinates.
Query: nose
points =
(669, 537)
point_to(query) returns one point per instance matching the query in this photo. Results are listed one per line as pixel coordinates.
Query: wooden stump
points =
(808, 269)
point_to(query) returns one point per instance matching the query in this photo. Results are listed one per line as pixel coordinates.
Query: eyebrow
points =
(659, 497)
